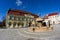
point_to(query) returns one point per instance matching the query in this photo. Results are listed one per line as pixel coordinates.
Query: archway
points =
(14, 24)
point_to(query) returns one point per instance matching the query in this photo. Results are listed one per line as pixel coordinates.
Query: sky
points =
(38, 7)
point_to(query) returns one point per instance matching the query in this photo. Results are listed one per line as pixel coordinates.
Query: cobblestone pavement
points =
(54, 34)
(24, 34)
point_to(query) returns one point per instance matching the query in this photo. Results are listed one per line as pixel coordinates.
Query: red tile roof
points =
(55, 13)
(51, 14)
(20, 12)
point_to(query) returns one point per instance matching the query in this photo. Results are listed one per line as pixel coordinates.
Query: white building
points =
(53, 18)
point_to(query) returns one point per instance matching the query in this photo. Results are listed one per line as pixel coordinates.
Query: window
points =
(28, 15)
(28, 19)
(19, 18)
(18, 24)
(9, 23)
(31, 19)
(14, 24)
(24, 19)
(11, 17)
(14, 18)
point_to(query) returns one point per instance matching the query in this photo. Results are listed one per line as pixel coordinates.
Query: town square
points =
(29, 20)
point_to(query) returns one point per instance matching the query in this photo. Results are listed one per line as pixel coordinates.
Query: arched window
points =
(19, 24)
(14, 24)
(9, 23)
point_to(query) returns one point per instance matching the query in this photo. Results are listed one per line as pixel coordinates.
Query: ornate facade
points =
(19, 18)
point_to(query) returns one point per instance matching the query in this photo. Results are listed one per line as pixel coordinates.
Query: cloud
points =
(19, 2)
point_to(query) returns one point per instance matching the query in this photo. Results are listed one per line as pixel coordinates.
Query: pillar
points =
(11, 25)
(16, 26)
(20, 26)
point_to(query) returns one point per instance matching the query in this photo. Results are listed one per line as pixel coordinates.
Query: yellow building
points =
(19, 18)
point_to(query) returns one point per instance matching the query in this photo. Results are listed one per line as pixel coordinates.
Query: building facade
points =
(19, 18)
(52, 17)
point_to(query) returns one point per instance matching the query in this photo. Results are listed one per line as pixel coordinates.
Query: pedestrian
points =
(29, 24)
(49, 23)
(33, 29)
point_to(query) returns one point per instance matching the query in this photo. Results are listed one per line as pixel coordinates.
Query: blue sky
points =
(38, 7)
